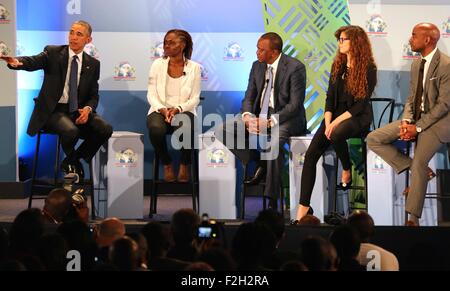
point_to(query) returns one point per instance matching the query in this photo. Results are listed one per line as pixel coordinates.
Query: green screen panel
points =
(307, 28)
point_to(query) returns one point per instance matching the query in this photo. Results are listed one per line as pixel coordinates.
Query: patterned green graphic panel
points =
(307, 28)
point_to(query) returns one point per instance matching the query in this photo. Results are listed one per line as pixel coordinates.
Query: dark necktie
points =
(419, 92)
(73, 85)
(265, 103)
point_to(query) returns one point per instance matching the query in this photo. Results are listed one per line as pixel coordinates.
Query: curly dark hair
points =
(361, 52)
(186, 38)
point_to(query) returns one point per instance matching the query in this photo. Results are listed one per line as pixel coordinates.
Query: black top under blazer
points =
(360, 109)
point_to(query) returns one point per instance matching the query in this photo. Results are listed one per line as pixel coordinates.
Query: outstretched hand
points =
(12, 61)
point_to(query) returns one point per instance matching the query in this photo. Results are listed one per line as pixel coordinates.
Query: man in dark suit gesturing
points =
(425, 117)
(68, 97)
(272, 111)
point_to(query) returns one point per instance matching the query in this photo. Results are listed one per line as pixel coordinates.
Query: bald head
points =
(109, 230)
(430, 30)
(424, 38)
(57, 204)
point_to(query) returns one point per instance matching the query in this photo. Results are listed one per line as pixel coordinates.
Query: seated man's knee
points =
(371, 139)
(71, 133)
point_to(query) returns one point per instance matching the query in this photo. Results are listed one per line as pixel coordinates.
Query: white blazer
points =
(190, 86)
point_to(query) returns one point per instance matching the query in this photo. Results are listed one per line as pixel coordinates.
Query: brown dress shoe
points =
(411, 223)
(183, 173)
(169, 175)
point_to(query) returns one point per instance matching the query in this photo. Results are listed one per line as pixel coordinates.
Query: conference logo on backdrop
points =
(233, 52)
(4, 15)
(91, 50)
(157, 50)
(126, 158)
(4, 49)
(217, 158)
(124, 72)
(408, 54)
(204, 74)
(376, 26)
(446, 28)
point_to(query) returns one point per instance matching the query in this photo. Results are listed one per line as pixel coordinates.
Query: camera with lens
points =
(208, 228)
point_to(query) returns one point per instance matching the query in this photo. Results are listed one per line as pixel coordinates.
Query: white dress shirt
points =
(428, 59)
(65, 96)
(274, 66)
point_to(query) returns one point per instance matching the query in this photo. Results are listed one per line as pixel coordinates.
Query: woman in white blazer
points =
(173, 94)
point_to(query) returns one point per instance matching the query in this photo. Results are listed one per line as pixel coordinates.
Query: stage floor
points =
(167, 206)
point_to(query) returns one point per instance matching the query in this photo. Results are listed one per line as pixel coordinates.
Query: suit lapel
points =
(64, 63)
(431, 69)
(261, 81)
(281, 70)
(86, 68)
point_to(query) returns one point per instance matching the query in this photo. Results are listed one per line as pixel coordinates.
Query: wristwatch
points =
(418, 129)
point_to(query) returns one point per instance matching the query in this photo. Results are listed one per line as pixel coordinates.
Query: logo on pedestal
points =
(4, 49)
(379, 166)
(217, 158)
(4, 15)
(299, 160)
(126, 158)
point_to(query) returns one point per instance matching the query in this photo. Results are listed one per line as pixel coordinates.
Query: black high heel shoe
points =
(296, 222)
(345, 186)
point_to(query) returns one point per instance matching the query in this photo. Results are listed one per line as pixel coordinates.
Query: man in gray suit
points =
(272, 111)
(425, 118)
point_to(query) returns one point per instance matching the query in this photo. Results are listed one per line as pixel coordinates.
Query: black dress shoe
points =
(67, 166)
(259, 175)
(78, 169)
(297, 222)
(294, 222)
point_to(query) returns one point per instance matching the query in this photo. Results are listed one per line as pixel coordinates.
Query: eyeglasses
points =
(342, 39)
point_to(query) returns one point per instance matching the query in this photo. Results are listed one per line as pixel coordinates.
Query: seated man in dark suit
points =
(68, 97)
(272, 111)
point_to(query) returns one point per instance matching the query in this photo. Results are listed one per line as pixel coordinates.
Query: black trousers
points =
(94, 133)
(158, 129)
(319, 144)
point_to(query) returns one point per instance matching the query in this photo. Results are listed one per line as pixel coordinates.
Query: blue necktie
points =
(265, 102)
(73, 85)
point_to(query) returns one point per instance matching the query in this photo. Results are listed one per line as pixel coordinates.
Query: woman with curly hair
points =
(348, 112)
